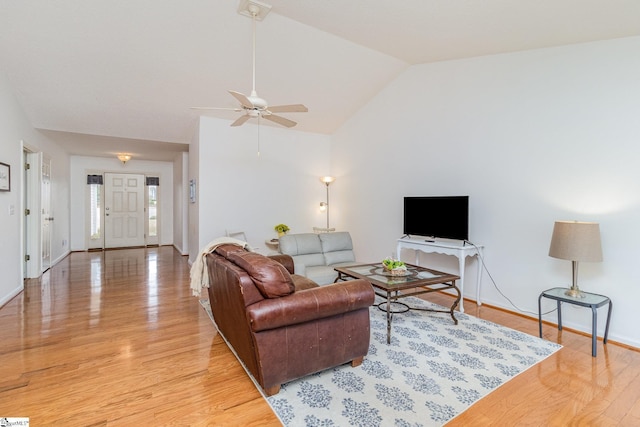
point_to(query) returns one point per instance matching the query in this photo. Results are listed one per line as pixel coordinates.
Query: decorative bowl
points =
(397, 271)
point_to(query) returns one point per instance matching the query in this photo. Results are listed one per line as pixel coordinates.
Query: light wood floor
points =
(115, 338)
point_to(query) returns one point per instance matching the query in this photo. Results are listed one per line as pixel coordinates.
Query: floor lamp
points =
(324, 206)
(576, 241)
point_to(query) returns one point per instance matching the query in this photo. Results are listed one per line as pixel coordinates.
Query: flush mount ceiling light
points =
(124, 158)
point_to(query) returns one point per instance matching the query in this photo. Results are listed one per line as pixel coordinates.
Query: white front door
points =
(124, 210)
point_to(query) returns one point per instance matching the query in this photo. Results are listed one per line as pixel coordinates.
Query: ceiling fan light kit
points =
(253, 106)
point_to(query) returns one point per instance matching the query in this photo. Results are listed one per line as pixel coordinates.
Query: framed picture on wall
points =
(5, 177)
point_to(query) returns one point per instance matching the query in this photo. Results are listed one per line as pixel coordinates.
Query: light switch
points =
(12, 209)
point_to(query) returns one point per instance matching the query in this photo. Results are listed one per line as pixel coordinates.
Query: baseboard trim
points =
(11, 295)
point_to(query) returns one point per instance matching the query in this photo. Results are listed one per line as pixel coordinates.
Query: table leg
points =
(479, 259)
(594, 330)
(388, 318)
(559, 315)
(540, 315)
(606, 329)
(455, 303)
(461, 260)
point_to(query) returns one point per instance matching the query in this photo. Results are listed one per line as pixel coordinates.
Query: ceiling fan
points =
(253, 105)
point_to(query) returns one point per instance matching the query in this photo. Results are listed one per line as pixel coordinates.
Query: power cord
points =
(495, 285)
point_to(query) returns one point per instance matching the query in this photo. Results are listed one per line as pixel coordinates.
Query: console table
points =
(457, 249)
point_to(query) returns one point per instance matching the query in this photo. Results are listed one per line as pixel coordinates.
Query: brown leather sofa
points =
(283, 326)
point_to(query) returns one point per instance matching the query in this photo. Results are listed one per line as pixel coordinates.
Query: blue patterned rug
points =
(431, 372)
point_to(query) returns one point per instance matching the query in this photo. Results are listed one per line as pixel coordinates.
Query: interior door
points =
(26, 205)
(45, 194)
(124, 210)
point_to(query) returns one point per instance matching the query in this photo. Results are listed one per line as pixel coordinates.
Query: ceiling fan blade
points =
(293, 108)
(280, 120)
(244, 101)
(217, 108)
(240, 120)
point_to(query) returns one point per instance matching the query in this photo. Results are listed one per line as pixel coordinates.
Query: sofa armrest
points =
(285, 260)
(310, 304)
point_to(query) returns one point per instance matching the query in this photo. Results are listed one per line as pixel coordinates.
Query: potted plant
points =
(281, 229)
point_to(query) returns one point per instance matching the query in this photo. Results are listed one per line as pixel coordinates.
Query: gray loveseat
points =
(316, 255)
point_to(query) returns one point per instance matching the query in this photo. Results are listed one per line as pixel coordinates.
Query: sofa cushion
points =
(228, 248)
(339, 257)
(337, 247)
(309, 260)
(321, 274)
(338, 241)
(300, 244)
(270, 277)
(301, 282)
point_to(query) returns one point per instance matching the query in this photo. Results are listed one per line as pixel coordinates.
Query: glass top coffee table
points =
(416, 281)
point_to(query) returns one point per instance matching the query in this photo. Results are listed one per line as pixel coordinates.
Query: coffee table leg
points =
(455, 303)
(388, 318)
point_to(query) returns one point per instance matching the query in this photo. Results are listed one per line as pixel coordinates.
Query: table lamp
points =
(576, 241)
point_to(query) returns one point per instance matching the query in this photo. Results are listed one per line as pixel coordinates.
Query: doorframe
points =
(87, 201)
(32, 226)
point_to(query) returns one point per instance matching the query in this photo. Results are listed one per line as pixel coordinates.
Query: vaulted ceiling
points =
(129, 70)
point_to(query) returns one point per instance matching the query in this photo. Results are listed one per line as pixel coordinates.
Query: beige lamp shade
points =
(576, 241)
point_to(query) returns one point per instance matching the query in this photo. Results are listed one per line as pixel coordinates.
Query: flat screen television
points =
(446, 217)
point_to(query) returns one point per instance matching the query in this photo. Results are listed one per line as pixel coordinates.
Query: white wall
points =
(531, 137)
(193, 212)
(82, 165)
(180, 203)
(13, 127)
(15, 131)
(239, 190)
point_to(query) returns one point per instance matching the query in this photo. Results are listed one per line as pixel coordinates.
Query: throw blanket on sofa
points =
(199, 274)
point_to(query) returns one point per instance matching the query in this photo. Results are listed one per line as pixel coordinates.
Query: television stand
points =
(458, 249)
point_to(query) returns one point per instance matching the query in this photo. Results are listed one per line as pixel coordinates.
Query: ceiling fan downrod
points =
(254, 10)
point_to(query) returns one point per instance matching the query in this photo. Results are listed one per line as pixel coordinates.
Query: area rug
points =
(430, 372)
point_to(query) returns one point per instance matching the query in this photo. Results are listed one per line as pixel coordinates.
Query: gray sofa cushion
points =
(315, 255)
(304, 248)
(338, 241)
(300, 244)
(339, 257)
(337, 248)
(322, 274)
(302, 262)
